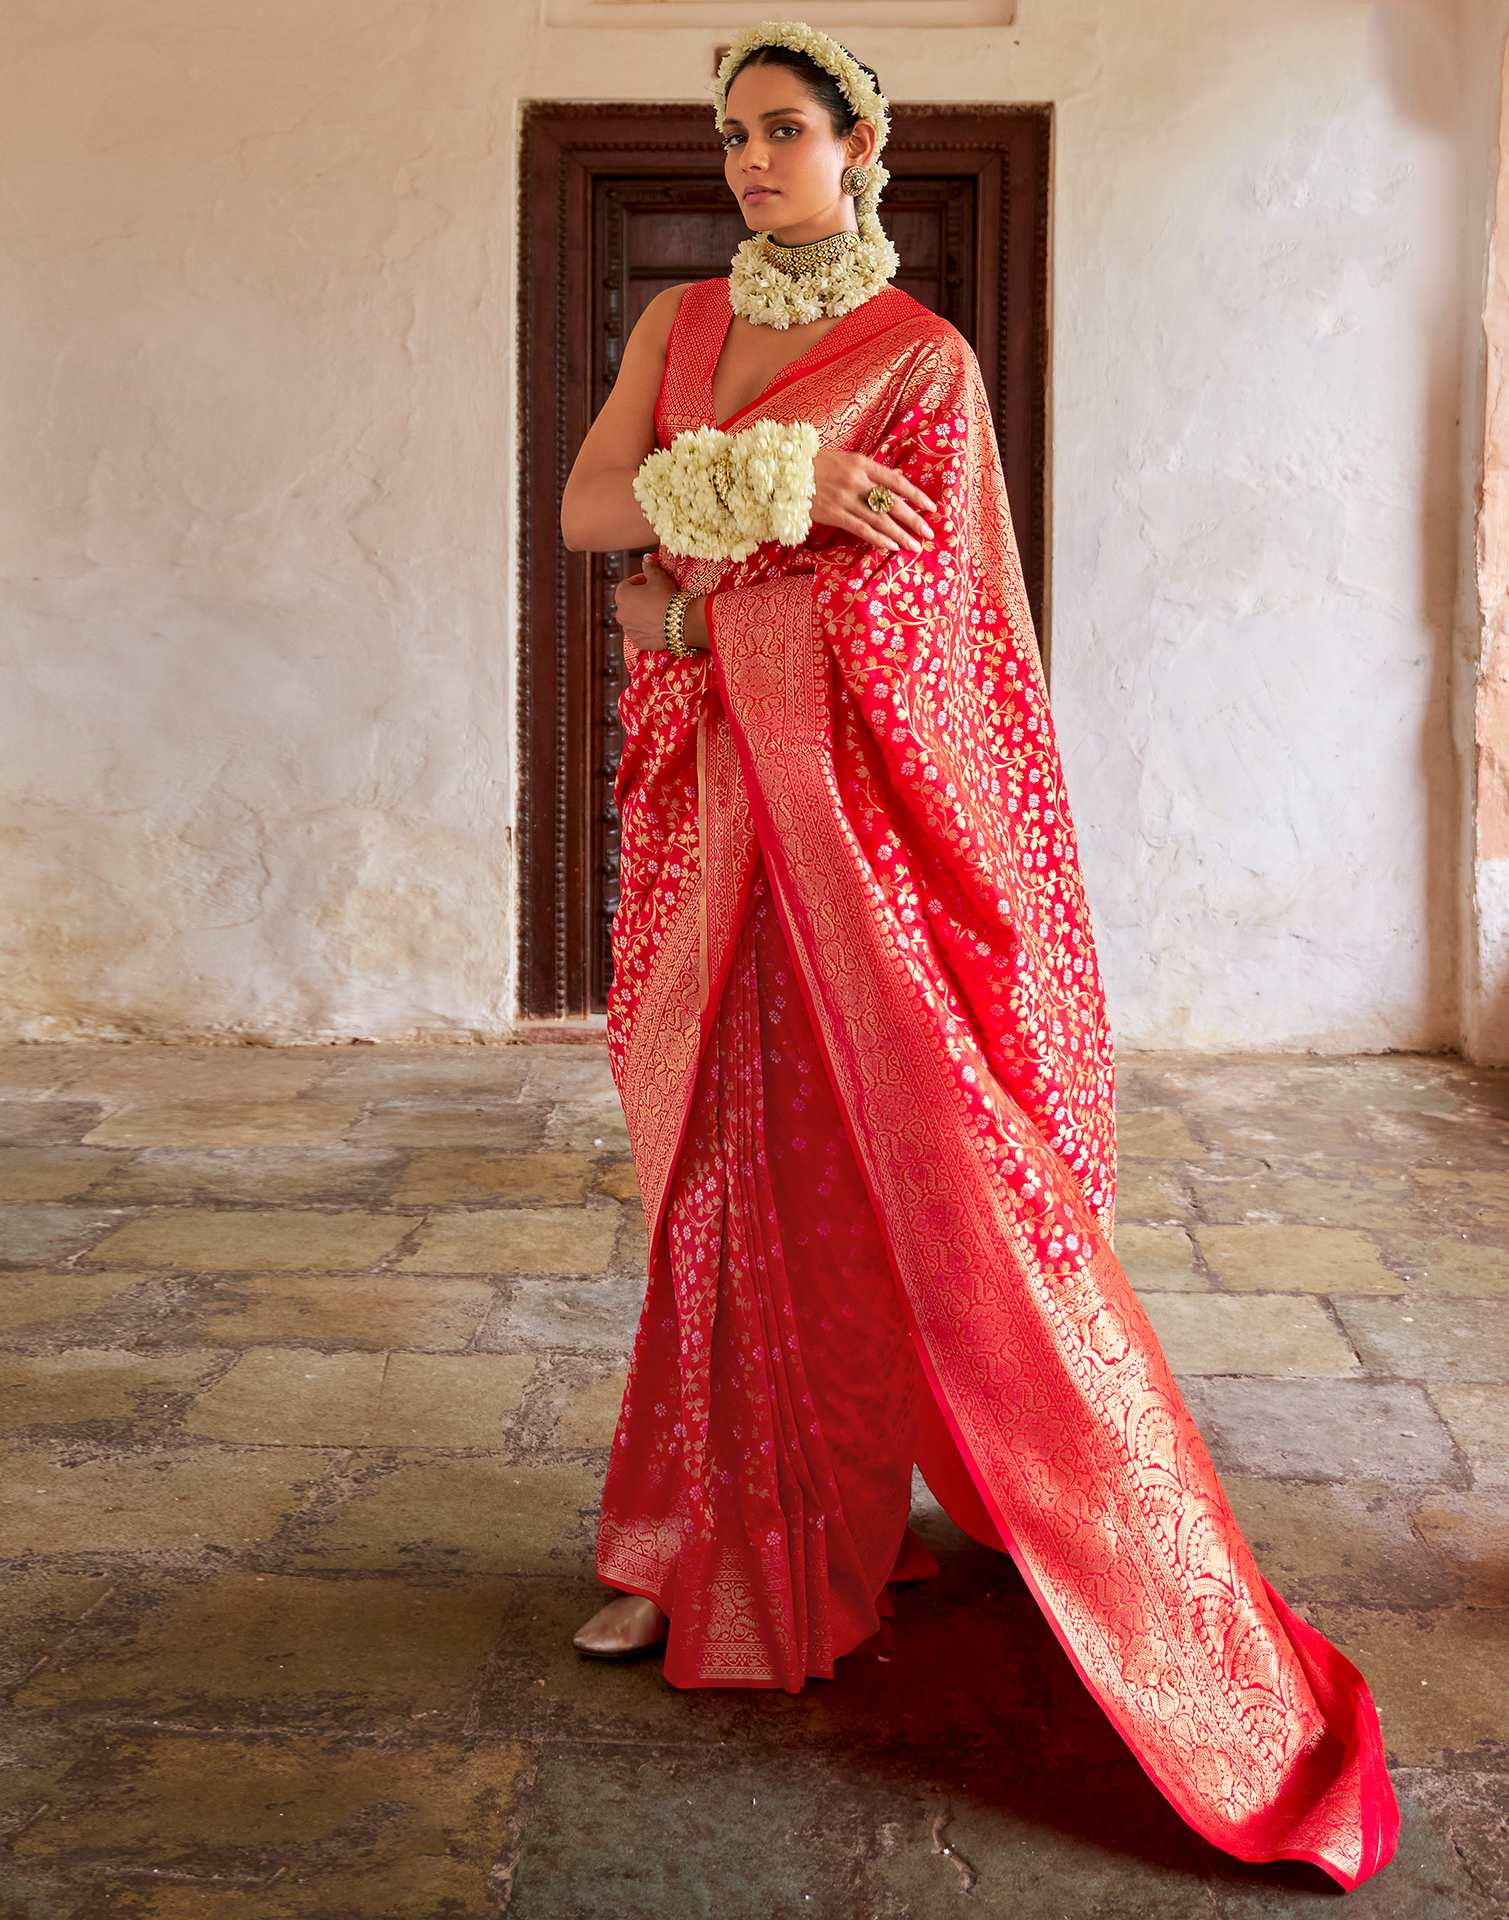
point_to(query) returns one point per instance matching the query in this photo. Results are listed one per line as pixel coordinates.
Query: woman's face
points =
(775, 136)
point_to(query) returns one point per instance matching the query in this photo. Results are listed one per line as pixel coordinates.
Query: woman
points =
(859, 1033)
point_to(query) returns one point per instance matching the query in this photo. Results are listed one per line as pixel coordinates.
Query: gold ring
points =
(880, 498)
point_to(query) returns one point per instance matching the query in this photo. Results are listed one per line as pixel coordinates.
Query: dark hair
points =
(820, 82)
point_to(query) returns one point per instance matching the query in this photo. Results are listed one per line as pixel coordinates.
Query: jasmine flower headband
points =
(761, 286)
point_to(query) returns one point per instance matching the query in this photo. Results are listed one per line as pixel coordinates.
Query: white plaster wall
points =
(1481, 706)
(257, 545)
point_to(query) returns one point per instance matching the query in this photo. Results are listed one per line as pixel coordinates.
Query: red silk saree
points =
(859, 1034)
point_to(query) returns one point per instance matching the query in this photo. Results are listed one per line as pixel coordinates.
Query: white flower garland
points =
(758, 288)
(717, 495)
(770, 297)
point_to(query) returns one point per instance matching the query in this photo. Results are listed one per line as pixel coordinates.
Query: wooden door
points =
(617, 203)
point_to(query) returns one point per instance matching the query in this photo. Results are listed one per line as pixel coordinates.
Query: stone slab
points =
(585, 1126)
(1270, 1257)
(30, 1175)
(1155, 1133)
(36, 1236)
(341, 1310)
(66, 1303)
(1261, 1334)
(475, 1122)
(135, 1072)
(1365, 1199)
(1469, 1533)
(1150, 1192)
(1349, 1541)
(1325, 1430)
(250, 1239)
(1478, 1417)
(428, 1073)
(444, 1176)
(1440, 1678)
(85, 1386)
(317, 1823)
(299, 1395)
(45, 1123)
(224, 1123)
(40, 1606)
(260, 1176)
(1449, 1265)
(1160, 1259)
(442, 1512)
(507, 1240)
(582, 1316)
(589, 1412)
(1430, 1339)
(245, 1648)
(195, 1496)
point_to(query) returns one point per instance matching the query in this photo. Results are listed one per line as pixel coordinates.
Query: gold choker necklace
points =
(774, 285)
(806, 256)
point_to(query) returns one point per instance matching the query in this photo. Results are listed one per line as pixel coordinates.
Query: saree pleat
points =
(760, 1478)
(857, 1025)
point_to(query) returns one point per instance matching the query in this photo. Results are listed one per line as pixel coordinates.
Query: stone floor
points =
(309, 1360)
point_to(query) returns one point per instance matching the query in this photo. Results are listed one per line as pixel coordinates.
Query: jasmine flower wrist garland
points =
(717, 495)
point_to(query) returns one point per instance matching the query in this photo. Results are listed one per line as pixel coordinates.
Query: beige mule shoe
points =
(629, 1625)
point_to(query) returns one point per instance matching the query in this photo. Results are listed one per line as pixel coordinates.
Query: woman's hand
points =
(640, 603)
(843, 480)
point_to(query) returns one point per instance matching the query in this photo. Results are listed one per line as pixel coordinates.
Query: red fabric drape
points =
(859, 1032)
(761, 1471)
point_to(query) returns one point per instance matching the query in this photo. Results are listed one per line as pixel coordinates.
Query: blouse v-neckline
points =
(779, 379)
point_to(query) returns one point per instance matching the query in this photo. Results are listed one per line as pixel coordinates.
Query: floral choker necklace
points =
(779, 286)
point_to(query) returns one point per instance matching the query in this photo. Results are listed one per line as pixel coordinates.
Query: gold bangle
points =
(676, 641)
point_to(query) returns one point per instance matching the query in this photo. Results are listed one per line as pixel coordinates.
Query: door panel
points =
(618, 203)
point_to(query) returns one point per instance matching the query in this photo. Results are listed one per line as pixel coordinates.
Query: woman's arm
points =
(599, 513)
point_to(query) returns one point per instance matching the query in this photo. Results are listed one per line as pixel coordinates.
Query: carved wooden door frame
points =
(586, 170)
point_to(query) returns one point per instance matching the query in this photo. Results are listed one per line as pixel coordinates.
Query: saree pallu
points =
(859, 1033)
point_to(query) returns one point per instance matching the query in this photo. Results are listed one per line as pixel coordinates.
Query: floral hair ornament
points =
(779, 286)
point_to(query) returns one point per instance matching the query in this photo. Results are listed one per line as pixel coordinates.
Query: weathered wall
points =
(258, 566)
(1482, 703)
